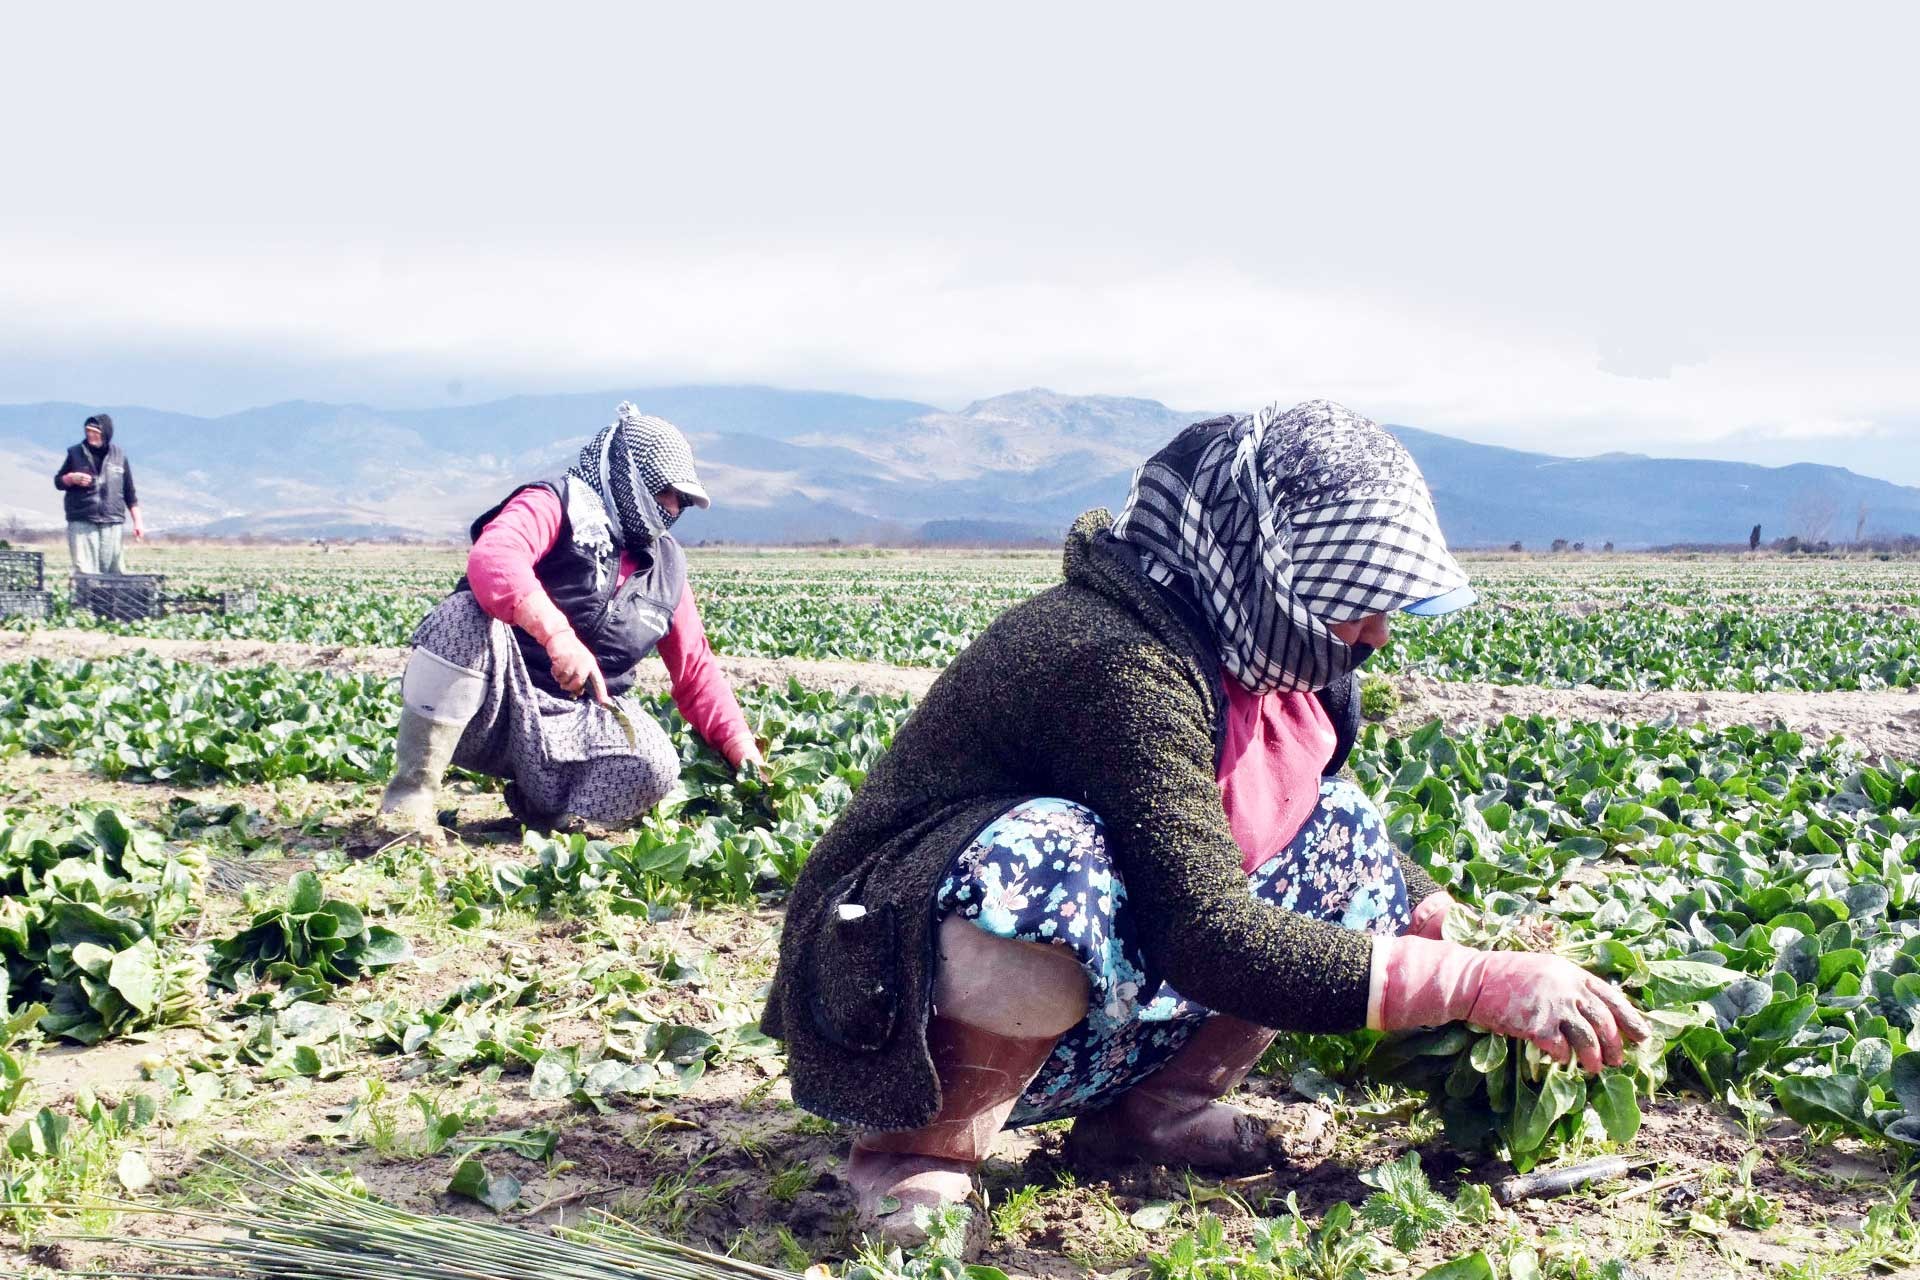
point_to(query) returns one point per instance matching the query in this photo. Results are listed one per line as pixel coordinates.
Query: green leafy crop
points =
(87, 909)
(308, 939)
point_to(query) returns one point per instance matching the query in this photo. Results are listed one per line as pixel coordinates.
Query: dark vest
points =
(105, 500)
(620, 626)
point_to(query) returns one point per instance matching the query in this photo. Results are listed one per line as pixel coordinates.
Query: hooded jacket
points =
(1101, 691)
(106, 500)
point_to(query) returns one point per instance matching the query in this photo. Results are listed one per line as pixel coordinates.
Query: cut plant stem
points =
(1558, 1182)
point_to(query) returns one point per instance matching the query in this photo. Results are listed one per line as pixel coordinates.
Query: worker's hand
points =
(751, 761)
(1430, 917)
(78, 480)
(575, 668)
(1566, 1012)
(139, 530)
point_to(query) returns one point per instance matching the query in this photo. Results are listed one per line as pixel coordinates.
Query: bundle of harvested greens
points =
(1506, 1095)
(314, 1228)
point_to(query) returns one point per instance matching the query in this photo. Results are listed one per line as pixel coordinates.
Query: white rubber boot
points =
(439, 698)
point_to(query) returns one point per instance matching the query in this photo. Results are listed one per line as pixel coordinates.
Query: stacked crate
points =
(23, 585)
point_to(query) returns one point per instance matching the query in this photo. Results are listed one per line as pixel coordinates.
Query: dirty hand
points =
(1430, 917)
(575, 667)
(78, 480)
(1549, 1001)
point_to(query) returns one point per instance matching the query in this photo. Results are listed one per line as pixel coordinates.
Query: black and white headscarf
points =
(633, 458)
(1279, 524)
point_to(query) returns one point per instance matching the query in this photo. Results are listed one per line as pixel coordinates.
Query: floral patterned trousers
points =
(1040, 873)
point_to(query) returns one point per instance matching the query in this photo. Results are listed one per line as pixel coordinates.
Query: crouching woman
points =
(524, 671)
(1108, 855)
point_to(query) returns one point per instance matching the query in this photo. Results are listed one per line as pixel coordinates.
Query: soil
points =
(703, 1166)
(1882, 723)
(64, 643)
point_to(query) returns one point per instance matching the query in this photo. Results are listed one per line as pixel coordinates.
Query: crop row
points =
(1760, 886)
(1618, 648)
(1814, 650)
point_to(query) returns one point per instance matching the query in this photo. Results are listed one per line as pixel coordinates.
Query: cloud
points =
(928, 321)
(1456, 222)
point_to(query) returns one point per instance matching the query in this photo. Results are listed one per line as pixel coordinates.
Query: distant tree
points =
(1608, 547)
(1516, 546)
(1559, 544)
(1860, 526)
(1753, 539)
(1579, 546)
(1791, 545)
(1813, 513)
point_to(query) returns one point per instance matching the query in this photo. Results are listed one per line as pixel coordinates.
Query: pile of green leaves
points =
(1755, 889)
(88, 905)
(307, 941)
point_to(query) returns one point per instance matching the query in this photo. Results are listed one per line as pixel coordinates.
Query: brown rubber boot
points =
(892, 1174)
(1173, 1117)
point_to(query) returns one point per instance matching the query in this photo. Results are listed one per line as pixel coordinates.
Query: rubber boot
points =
(420, 757)
(893, 1174)
(1173, 1117)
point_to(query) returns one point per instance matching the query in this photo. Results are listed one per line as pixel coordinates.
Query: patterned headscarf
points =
(632, 459)
(1280, 524)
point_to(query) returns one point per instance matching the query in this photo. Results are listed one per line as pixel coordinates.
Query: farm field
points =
(1770, 624)
(207, 960)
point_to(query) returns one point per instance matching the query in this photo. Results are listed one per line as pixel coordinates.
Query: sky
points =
(1656, 228)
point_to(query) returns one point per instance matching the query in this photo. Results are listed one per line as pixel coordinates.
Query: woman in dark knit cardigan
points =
(1107, 856)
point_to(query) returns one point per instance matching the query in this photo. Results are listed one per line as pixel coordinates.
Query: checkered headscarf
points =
(1282, 523)
(632, 459)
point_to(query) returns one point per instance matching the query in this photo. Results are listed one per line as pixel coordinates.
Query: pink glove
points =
(574, 666)
(1552, 1002)
(1431, 915)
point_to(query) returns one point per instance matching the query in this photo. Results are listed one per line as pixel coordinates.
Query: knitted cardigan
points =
(1101, 691)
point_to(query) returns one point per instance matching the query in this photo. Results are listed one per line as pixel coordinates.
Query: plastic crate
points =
(245, 600)
(25, 604)
(121, 597)
(23, 571)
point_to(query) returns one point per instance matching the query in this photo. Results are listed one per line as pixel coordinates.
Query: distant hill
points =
(791, 466)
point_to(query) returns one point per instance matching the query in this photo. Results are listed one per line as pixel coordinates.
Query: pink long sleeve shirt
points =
(500, 572)
(1277, 744)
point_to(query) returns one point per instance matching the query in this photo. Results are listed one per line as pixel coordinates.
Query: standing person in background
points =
(98, 485)
(524, 672)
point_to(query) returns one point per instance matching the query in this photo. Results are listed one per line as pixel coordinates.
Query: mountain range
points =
(804, 466)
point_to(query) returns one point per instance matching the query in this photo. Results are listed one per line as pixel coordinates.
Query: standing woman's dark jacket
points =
(106, 500)
(1101, 691)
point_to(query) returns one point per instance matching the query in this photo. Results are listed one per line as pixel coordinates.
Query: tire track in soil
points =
(1881, 722)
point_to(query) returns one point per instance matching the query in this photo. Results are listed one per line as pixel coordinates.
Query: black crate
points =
(25, 604)
(121, 597)
(245, 600)
(23, 571)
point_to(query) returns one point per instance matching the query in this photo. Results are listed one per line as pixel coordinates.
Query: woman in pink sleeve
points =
(571, 583)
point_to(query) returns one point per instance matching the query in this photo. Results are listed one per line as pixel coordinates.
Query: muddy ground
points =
(731, 1163)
